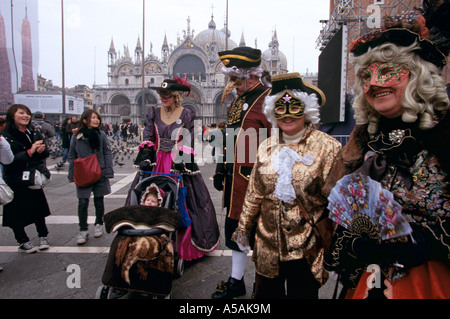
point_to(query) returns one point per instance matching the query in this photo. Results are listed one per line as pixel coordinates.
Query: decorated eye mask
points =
(383, 74)
(288, 106)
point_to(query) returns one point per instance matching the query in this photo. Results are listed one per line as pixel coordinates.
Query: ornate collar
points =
(393, 140)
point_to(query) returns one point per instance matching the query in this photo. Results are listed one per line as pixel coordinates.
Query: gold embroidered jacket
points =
(282, 234)
(248, 121)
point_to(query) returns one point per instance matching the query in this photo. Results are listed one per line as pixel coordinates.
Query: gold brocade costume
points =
(282, 234)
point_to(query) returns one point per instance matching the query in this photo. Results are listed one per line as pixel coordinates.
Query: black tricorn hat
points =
(401, 37)
(429, 27)
(294, 81)
(176, 84)
(241, 57)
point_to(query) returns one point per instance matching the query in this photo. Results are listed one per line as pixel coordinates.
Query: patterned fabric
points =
(429, 198)
(419, 183)
(282, 233)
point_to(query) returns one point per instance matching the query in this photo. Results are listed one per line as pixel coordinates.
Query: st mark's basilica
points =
(194, 57)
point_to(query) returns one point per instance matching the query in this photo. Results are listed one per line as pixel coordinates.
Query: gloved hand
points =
(218, 181)
(242, 241)
(360, 246)
(145, 153)
(244, 249)
(180, 167)
(387, 253)
(145, 165)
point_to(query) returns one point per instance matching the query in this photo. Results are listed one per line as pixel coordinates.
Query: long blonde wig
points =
(425, 95)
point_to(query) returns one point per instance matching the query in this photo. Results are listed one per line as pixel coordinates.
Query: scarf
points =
(92, 135)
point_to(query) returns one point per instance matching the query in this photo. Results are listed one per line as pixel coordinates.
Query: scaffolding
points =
(360, 17)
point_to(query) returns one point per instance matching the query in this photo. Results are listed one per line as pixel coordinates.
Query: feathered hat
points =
(175, 84)
(429, 26)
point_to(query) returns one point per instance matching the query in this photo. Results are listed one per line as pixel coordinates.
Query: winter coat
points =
(6, 156)
(28, 204)
(65, 137)
(80, 148)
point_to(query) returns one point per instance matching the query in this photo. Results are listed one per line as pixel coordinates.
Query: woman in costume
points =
(169, 137)
(400, 140)
(291, 168)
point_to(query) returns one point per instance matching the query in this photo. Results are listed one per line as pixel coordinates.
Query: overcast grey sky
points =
(91, 24)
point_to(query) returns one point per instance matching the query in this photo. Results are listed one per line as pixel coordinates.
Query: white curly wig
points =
(312, 107)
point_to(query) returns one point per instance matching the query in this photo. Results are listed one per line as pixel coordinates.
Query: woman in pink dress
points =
(169, 134)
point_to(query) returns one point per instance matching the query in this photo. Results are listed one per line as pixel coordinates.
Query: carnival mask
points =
(288, 106)
(383, 74)
(233, 84)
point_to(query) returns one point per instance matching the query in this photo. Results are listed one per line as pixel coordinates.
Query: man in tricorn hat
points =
(245, 119)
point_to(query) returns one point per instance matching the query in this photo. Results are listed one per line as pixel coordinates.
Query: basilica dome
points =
(275, 59)
(280, 56)
(207, 37)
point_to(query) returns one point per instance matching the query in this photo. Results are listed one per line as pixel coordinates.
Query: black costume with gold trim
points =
(244, 121)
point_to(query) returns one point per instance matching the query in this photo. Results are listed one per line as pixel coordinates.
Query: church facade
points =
(127, 97)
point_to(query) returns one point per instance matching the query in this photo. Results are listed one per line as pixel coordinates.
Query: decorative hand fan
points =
(361, 205)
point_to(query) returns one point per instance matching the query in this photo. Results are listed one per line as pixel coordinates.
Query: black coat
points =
(65, 137)
(28, 204)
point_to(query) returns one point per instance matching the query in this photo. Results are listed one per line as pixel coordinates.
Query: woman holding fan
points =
(402, 121)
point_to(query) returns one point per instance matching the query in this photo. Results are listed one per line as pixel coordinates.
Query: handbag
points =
(86, 171)
(324, 228)
(6, 194)
(40, 180)
(31, 178)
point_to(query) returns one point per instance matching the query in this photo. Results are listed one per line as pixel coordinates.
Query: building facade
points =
(360, 16)
(27, 80)
(6, 95)
(127, 96)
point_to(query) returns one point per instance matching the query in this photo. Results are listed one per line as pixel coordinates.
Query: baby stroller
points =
(143, 258)
(170, 184)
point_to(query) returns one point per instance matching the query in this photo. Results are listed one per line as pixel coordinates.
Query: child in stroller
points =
(153, 196)
(142, 257)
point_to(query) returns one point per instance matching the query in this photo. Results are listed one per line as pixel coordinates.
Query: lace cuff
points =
(241, 237)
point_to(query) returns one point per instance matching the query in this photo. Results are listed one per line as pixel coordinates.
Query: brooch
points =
(396, 136)
(307, 160)
(178, 121)
(245, 107)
